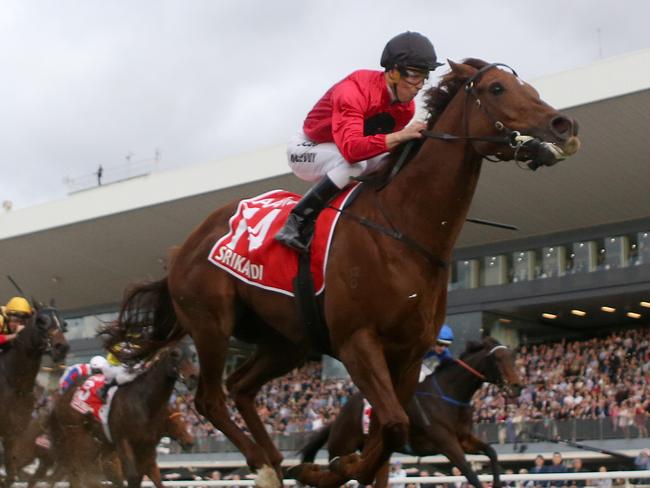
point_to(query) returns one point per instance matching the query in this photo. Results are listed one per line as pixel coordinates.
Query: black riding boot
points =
(294, 234)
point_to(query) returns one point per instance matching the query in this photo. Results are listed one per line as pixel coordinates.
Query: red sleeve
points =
(3, 339)
(348, 114)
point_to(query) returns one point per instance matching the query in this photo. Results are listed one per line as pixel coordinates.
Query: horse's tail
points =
(314, 444)
(146, 323)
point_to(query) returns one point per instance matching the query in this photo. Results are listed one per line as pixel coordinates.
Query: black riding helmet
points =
(409, 49)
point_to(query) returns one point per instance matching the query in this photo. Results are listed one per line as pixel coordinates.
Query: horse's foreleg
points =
(40, 473)
(363, 355)
(381, 479)
(129, 463)
(266, 363)
(456, 456)
(147, 464)
(474, 445)
(10, 457)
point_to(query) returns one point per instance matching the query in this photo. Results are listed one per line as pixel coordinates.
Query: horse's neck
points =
(434, 191)
(22, 361)
(155, 387)
(458, 383)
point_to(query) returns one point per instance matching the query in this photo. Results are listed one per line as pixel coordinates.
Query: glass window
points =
(585, 256)
(643, 248)
(553, 261)
(495, 270)
(617, 251)
(523, 266)
(87, 326)
(467, 273)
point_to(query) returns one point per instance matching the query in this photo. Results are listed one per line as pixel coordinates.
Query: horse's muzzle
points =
(59, 352)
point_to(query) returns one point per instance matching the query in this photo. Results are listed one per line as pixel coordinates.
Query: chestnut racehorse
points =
(19, 365)
(386, 275)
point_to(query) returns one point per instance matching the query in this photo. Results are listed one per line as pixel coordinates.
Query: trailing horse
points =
(440, 413)
(386, 275)
(137, 418)
(19, 365)
(174, 427)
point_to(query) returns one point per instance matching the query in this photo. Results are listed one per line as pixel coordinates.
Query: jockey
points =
(16, 314)
(439, 353)
(351, 129)
(117, 372)
(96, 366)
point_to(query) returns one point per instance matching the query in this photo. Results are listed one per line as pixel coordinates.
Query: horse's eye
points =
(496, 88)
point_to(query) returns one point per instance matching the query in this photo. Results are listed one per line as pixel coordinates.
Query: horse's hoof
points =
(344, 464)
(294, 472)
(267, 478)
(335, 464)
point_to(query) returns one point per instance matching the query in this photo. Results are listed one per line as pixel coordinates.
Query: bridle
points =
(482, 377)
(546, 154)
(50, 326)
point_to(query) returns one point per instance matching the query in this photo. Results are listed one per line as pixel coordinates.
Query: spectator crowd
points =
(599, 378)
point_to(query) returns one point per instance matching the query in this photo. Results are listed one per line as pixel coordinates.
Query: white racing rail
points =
(623, 475)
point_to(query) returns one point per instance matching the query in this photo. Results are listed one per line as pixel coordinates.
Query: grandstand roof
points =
(84, 249)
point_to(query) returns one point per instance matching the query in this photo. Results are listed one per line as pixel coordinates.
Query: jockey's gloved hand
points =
(19, 328)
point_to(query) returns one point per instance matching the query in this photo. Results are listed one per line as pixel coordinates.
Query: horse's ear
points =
(52, 302)
(462, 71)
(36, 304)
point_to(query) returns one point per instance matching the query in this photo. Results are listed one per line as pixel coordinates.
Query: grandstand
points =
(578, 268)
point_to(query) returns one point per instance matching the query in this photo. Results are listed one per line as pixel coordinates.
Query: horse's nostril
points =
(562, 126)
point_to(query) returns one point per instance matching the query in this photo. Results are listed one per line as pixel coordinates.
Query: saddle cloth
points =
(365, 416)
(86, 399)
(250, 253)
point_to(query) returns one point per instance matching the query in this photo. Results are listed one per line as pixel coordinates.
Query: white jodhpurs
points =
(119, 373)
(310, 161)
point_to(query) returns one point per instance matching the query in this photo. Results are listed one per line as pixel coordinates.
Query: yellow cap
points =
(112, 360)
(18, 306)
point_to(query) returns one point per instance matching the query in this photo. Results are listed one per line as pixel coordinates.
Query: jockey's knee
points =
(341, 174)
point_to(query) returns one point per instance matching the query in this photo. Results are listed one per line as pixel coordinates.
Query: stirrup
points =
(291, 234)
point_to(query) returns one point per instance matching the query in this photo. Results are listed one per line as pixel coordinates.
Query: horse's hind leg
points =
(211, 332)
(270, 360)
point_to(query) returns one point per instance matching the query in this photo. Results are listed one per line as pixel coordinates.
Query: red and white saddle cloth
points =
(249, 251)
(86, 399)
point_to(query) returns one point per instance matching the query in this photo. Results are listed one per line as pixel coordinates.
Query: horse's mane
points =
(438, 97)
(470, 348)
(436, 100)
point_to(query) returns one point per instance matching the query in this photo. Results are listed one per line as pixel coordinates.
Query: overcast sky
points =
(90, 82)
